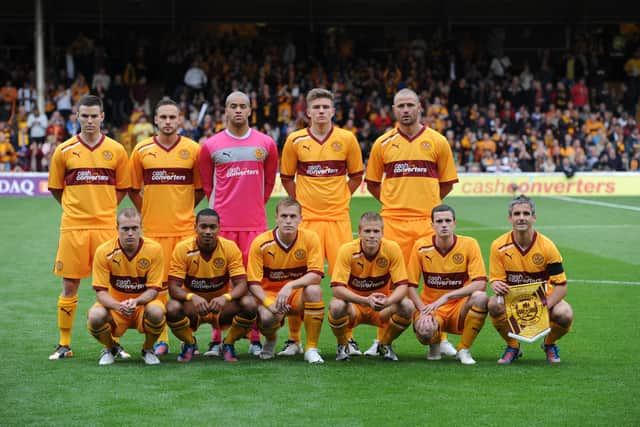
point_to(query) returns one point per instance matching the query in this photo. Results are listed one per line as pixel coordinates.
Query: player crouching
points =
(284, 272)
(127, 275)
(369, 285)
(208, 284)
(453, 297)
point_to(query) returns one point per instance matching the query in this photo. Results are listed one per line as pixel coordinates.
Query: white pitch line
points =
(546, 227)
(596, 203)
(605, 282)
(554, 227)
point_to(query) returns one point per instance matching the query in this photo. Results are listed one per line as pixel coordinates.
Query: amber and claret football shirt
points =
(444, 272)
(411, 171)
(272, 265)
(169, 177)
(207, 276)
(320, 169)
(540, 262)
(89, 177)
(363, 275)
(127, 277)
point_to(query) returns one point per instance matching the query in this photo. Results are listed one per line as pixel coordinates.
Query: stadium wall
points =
(475, 185)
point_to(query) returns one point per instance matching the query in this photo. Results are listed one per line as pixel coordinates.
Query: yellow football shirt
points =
(541, 261)
(169, 178)
(411, 171)
(363, 275)
(272, 265)
(320, 169)
(444, 272)
(127, 277)
(206, 276)
(89, 177)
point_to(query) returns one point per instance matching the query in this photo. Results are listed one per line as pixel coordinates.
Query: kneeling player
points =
(369, 285)
(453, 297)
(127, 275)
(284, 273)
(201, 269)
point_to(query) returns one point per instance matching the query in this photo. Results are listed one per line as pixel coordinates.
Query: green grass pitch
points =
(597, 383)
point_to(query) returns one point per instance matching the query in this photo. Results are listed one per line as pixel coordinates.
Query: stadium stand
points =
(568, 108)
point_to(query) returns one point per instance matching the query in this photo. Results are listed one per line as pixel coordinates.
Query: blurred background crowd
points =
(538, 109)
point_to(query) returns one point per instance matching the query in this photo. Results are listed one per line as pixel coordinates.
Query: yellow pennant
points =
(527, 311)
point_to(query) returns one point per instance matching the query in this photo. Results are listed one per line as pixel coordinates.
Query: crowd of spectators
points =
(547, 111)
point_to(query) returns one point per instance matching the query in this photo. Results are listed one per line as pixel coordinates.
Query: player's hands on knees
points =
(426, 322)
(282, 298)
(499, 287)
(127, 307)
(217, 303)
(377, 301)
(273, 309)
(200, 305)
(433, 307)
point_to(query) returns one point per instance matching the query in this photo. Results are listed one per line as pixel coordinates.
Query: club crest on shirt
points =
(457, 258)
(537, 259)
(300, 254)
(382, 262)
(107, 155)
(143, 263)
(184, 154)
(425, 146)
(260, 154)
(218, 262)
(337, 146)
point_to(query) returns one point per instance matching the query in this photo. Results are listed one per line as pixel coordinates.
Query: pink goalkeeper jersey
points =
(238, 175)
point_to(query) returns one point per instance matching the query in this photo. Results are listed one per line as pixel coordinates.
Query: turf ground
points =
(597, 383)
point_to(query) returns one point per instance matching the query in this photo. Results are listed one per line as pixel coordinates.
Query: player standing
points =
(166, 186)
(321, 167)
(89, 177)
(238, 167)
(410, 170)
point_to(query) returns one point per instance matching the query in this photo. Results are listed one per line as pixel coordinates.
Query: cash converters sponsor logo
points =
(238, 171)
(130, 285)
(206, 285)
(404, 168)
(164, 176)
(411, 168)
(318, 170)
(438, 282)
(368, 283)
(505, 186)
(180, 176)
(520, 278)
(284, 274)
